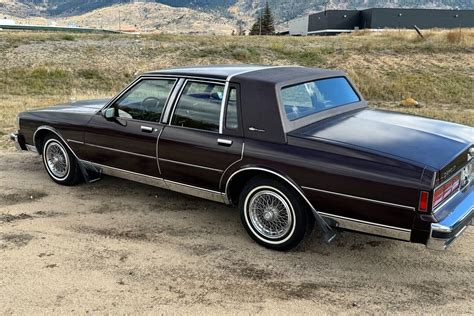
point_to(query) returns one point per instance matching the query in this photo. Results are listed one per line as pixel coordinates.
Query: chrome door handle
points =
(253, 129)
(224, 142)
(147, 129)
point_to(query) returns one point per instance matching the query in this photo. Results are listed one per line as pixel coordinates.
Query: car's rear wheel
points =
(60, 163)
(273, 214)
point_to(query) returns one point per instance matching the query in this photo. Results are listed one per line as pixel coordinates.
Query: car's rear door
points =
(129, 141)
(202, 137)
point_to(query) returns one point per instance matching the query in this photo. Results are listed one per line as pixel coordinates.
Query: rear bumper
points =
(19, 141)
(461, 212)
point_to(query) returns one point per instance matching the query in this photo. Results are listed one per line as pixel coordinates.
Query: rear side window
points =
(316, 96)
(199, 106)
(231, 121)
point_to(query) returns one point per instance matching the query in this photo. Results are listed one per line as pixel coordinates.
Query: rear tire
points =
(273, 214)
(60, 162)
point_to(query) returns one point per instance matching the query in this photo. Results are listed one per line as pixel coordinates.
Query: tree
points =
(265, 23)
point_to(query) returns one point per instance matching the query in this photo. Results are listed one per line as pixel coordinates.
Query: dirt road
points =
(117, 246)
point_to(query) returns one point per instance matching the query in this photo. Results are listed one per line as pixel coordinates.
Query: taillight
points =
(446, 190)
(423, 205)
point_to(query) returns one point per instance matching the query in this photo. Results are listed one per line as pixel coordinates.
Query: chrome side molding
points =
(411, 208)
(367, 227)
(159, 182)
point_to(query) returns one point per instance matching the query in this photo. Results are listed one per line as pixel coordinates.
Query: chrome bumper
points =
(18, 140)
(461, 212)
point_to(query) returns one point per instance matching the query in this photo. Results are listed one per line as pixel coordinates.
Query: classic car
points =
(290, 146)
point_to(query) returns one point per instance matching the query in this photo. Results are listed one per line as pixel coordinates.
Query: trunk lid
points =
(425, 141)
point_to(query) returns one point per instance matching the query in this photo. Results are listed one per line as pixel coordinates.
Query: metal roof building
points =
(340, 21)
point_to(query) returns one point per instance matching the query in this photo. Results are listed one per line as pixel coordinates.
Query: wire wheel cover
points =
(57, 160)
(270, 214)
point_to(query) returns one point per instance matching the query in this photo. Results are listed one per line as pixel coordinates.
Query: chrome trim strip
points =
(223, 105)
(157, 150)
(361, 198)
(195, 191)
(129, 175)
(172, 100)
(120, 151)
(183, 76)
(368, 227)
(178, 97)
(189, 165)
(51, 129)
(75, 141)
(132, 84)
(232, 164)
(160, 182)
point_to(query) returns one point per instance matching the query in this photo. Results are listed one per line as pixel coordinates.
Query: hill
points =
(284, 9)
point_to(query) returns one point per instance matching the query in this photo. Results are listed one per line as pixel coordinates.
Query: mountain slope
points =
(283, 9)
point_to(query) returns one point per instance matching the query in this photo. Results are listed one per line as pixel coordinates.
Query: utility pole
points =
(120, 28)
(260, 32)
(326, 7)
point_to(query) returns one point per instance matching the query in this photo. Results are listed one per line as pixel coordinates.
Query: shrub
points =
(455, 37)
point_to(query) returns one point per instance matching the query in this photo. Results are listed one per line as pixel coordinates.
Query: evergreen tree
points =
(265, 23)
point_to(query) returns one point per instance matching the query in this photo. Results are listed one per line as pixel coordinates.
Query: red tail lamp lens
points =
(423, 207)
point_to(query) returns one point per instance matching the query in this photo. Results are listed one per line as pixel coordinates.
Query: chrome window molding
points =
(367, 227)
(180, 94)
(134, 83)
(185, 77)
(120, 151)
(361, 198)
(172, 100)
(189, 165)
(223, 105)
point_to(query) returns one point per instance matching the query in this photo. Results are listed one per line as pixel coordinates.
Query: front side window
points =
(199, 106)
(146, 100)
(316, 96)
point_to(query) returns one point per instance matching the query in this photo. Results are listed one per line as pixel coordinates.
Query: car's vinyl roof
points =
(258, 72)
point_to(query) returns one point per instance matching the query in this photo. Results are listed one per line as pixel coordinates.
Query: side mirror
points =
(109, 114)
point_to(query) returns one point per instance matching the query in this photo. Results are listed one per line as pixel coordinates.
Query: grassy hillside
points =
(38, 69)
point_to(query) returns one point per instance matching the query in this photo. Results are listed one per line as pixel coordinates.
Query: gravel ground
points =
(120, 247)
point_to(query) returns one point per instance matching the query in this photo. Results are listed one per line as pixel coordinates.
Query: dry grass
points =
(39, 69)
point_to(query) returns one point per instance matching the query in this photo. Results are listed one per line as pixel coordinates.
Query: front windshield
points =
(316, 96)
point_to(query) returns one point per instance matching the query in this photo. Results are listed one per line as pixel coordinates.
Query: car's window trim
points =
(137, 82)
(133, 84)
(180, 94)
(289, 126)
(237, 131)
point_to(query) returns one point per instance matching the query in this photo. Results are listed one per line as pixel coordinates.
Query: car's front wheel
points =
(273, 214)
(59, 161)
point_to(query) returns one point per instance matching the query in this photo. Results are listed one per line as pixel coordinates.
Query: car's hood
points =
(422, 140)
(84, 106)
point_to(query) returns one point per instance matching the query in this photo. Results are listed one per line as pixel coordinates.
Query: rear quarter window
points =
(308, 98)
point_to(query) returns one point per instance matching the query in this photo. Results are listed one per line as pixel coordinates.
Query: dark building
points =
(340, 21)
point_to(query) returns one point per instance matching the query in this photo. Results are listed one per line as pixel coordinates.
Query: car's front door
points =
(128, 141)
(203, 136)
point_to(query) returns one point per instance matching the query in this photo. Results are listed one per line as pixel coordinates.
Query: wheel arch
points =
(41, 133)
(244, 174)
